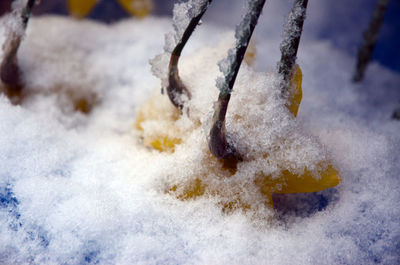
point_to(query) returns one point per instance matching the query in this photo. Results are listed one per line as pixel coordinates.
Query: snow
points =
(83, 189)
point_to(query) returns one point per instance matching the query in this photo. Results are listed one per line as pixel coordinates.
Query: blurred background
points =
(339, 22)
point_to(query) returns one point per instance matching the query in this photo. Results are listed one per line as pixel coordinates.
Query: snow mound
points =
(258, 122)
(82, 189)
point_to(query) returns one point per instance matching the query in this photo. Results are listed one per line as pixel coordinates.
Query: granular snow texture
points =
(82, 189)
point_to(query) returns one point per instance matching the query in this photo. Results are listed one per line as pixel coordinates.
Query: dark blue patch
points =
(91, 255)
(9, 202)
(303, 204)
(39, 235)
(108, 11)
(7, 198)
(387, 46)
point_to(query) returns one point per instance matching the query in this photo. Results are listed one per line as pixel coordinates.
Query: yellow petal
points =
(288, 182)
(158, 110)
(296, 92)
(138, 8)
(293, 183)
(163, 143)
(193, 190)
(80, 8)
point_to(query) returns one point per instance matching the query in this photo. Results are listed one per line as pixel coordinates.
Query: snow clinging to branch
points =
(218, 143)
(291, 40)
(183, 14)
(14, 24)
(292, 28)
(231, 64)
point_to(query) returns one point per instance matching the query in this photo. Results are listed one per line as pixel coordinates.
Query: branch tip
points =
(9, 70)
(176, 90)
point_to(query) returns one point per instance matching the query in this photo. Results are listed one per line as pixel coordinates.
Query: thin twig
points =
(370, 38)
(176, 90)
(291, 41)
(218, 143)
(396, 113)
(9, 69)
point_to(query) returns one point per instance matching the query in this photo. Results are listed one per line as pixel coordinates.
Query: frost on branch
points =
(185, 19)
(15, 25)
(290, 44)
(218, 142)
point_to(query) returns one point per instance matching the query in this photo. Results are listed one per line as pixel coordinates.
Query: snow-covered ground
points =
(82, 189)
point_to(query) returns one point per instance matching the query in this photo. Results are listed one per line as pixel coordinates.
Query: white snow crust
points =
(82, 189)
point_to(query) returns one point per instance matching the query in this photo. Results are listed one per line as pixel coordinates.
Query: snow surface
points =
(82, 189)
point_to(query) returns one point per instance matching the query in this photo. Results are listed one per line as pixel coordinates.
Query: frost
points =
(292, 31)
(291, 28)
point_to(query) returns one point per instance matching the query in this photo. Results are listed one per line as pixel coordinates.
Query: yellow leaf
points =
(138, 8)
(192, 191)
(80, 8)
(164, 143)
(159, 112)
(293, 183)
(288, 182)
(296, 92)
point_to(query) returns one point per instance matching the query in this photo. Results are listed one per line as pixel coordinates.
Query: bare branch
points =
(291, 41)
(370, 38)
(218, 143)
(396, 113)
(9, 70)
(176, 90)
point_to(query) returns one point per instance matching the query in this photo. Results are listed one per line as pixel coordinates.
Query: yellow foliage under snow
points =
(166, 139)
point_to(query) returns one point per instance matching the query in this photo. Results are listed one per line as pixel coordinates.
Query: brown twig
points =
(396, 113)
(9, 70)
(176, 90)
(218, 142)
(370, 38)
